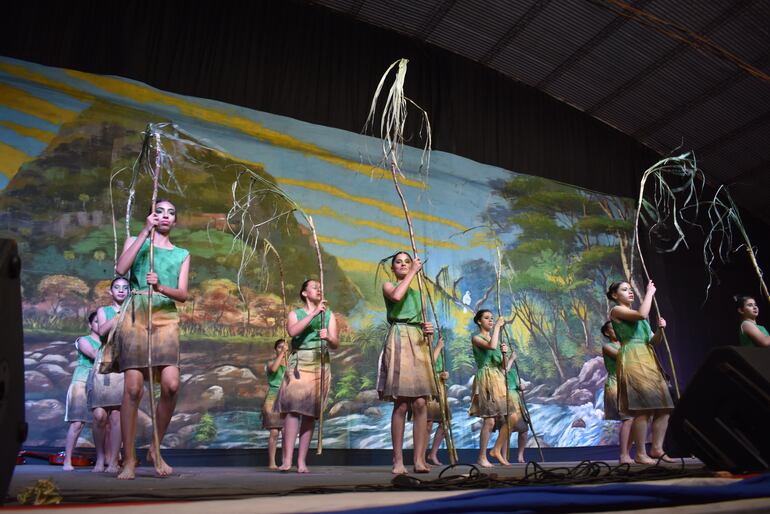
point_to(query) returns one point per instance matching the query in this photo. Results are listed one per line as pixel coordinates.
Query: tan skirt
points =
(488, 394)
(131, 335)
(105, 390)
(270, 418)
(517, 413)
(301, 388)
(641, 386)
(611, 412)
(76, 408)
(405, 369)
(434, 410)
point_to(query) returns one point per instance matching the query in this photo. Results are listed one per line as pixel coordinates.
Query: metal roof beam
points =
(734, 134)
(522, 23)
(438, 15)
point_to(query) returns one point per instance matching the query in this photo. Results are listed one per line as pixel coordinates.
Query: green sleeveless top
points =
(408, 310)
(486, 358)
(85, 363)
(632, 331)
(746, 340)
(309, 338)
(439, 363)
(274, 379)
(167, 266)
(609, 363)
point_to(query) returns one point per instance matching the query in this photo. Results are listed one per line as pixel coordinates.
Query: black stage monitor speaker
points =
(13, 429)
(724, 414)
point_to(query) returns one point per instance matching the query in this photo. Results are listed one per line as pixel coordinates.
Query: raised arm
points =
(610, 351)
(133, 244)
(276, 363)
(330, 334)
(105, 325)
(295, 327)
(86, 348)
(756, 335)
(178, 293)
(493, 341)
(396, 293)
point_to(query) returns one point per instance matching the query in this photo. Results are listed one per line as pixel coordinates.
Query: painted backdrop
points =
(64, 134)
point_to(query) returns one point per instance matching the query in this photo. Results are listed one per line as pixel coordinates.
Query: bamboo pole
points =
(323, 349)
(498, 270)
(150, 373)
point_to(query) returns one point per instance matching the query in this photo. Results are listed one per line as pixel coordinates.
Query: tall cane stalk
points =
(392, 125)
(323, 349)
(498, 270)
(667, 207)
(151, 370)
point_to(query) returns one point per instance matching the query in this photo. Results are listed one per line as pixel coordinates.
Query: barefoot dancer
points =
(301, 395)
(271, 420)
(77, 413)
(405, 376)
(488, 396)
(610, 353)
(642, 390)
(106, 390)
(434, 407)
(750, 333)
(169, 285)
(517, 422)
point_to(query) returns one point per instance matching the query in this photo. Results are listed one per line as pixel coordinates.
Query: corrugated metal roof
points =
(653, 70)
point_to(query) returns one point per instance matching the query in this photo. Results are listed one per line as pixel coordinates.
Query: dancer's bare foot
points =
(521, 460)
(499, 456)
(433, 459)
(484, 463)
(273, 467)
(398, 469)
(67, 467)
(285, 467)
(662, 456)
(625, 459)
(162, 469)
(112, 467)
(98, 467)
(644, 459)
(129, 470)
(302, 468)
(421, 468)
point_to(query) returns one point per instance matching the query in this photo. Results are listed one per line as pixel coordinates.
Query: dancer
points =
(488, 392)
(517, 422)
(750, 333)
(642, 390)
(105, 391)
(77, 413)
(302, 396)
(405, 376)
(271, 420)
(610, 353)
(434, 407)
(169, 285)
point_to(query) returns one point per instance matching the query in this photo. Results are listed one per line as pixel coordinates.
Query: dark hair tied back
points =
(479, 314)
(614, 289)
(741, 299)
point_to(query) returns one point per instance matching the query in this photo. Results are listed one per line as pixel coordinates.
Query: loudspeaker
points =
(13, 428)
(724, 414)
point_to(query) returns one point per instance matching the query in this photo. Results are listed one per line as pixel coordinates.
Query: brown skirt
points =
(105, 390)
(270, 418)
(434, 410)
(405, 369)
(131, 335)
(77, 403)
(641, 386)
(517, 413)
(301, 391)
(488, 396)
(611, 411)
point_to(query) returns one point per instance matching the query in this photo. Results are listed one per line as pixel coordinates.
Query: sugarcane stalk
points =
(153, 414)
(323, 348)
(420, 286)
(498, 269)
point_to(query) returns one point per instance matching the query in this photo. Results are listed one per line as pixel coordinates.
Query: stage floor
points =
(239, 489)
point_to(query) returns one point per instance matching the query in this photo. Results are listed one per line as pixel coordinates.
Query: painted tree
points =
(63, 292)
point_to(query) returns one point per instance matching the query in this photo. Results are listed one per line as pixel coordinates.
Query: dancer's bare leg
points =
(169, 388)
(305, 435)
(290, 431)
(433, 456)
(499, 449)
(397, 423)
(112, 441)
(272, 445)
(73, 432)
(522, 444)
(639, 434)
(133, 389)
(486, 430)
(99, 429)
(625, 442)
(659, 427)
(420, 419)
